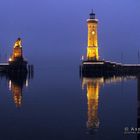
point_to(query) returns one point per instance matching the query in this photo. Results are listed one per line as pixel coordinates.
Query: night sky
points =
(55, 31)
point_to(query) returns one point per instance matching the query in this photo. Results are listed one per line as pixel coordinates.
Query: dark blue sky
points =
(56, 31)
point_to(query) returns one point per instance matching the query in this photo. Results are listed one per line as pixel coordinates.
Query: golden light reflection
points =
(17, 94)
(93, 87)
(16, 85)
(92, 91)
(92, 98)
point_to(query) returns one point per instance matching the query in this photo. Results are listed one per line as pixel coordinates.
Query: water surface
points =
(57, 104)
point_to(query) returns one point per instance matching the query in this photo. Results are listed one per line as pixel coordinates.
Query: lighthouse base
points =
(108, 68)
(18, 66)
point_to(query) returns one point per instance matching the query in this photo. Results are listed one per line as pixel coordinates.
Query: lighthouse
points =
(17, 61)
(92, 43)
(95, 66)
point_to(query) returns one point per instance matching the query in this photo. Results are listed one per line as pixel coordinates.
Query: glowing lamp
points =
(10, 59)
(93, 32)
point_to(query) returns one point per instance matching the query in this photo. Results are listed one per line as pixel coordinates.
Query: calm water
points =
(57, 104)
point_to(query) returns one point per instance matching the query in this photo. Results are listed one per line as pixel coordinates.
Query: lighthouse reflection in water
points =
(16, 85)
(93, 85)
